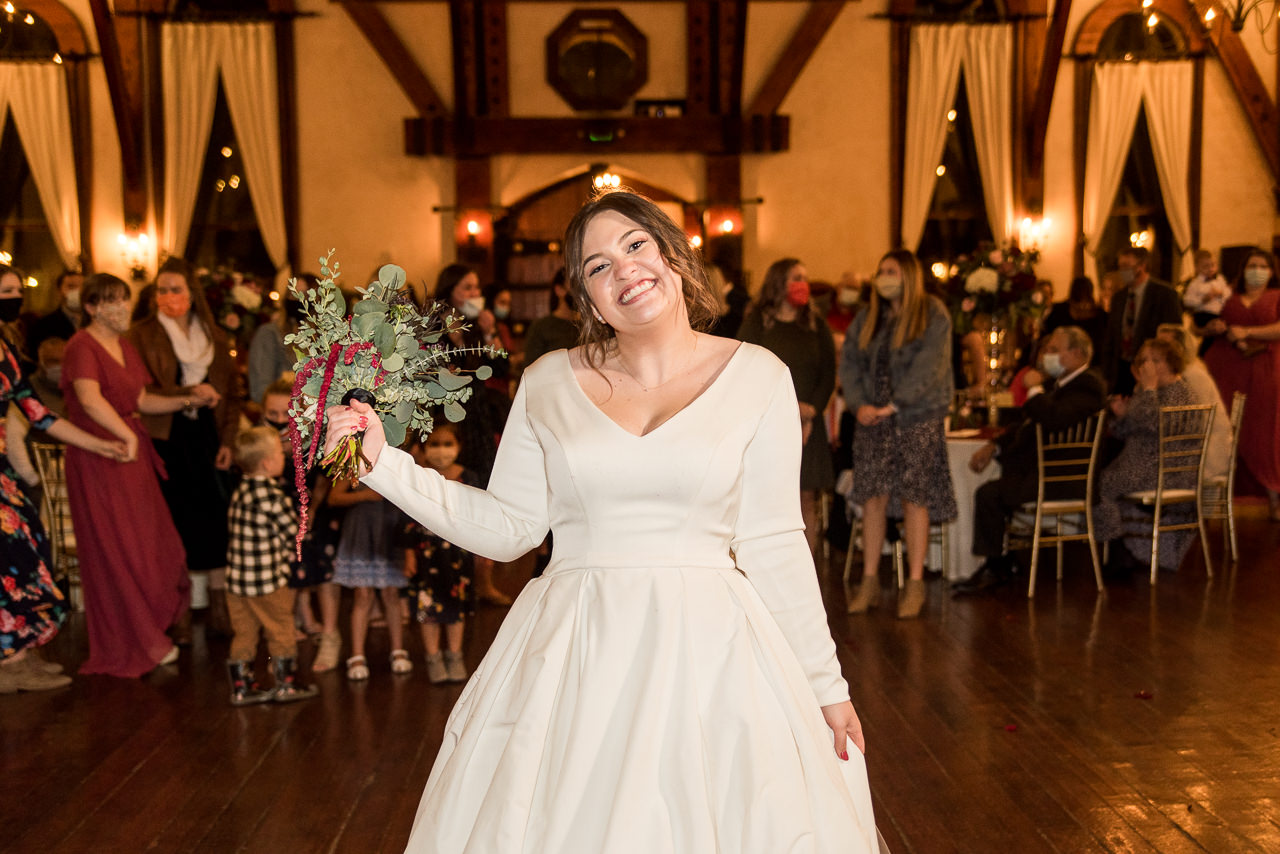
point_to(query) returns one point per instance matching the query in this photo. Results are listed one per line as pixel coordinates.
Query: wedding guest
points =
(32, 607)
(895, 370)
(557, 330)
(11, 299)
(1136, 312)
(1246, 358)
(269, 358)
(64, 320)
(1080, 309)
(1206, 293)
(1061, 392)
(1157, 370)
(785, 322)
(134, 579)
(497, 299)
(1205, 390)
(183, 348)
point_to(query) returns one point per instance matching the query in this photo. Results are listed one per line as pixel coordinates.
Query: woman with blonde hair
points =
(669, 683)
(895, 369)
(783, 321)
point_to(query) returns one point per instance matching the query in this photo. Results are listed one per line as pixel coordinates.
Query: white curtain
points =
(936, 55)
(988, 74)
(1167, 95)
(192, 57)
(249, 77)
(189, 63)
(36, 94)
(1113, 113)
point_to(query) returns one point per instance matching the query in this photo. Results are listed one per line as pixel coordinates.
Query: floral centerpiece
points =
(237, 303)
(997, 284)
(387, 354)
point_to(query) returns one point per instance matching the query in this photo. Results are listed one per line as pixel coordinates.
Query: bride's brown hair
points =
(673, 244)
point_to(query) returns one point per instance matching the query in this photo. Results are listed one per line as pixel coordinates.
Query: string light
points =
(941, 170)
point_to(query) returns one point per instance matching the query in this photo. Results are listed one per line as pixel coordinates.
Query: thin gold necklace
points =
(684, 366)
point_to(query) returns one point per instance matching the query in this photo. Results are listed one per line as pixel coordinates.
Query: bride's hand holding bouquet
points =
(356, 420)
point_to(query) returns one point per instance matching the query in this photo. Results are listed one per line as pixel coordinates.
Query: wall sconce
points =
(723, 220)
(135, 253)
(1141, 239)
(474, 229)
(1033, 233)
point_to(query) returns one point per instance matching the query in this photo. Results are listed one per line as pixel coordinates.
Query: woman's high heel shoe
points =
(868, 595)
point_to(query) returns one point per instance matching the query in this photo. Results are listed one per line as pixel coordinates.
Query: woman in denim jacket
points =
(896, 372)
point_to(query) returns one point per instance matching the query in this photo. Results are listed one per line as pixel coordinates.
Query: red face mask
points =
(173, 305)
(798, 293)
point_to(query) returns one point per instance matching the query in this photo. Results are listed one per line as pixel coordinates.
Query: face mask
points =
(1256, 278)
(280, 426)
(53, 374)
(1053, 365)
(569, 302)
(471, 308)
(114, 316)
(10, 308)
(889, 286)
(1127, 275)
(441, 456)
(72, 301)
(173, 305)
(847, 297)
(798, 293)
(501, 312)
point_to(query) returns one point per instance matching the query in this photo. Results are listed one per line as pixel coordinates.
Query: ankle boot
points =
(912, 599)
(287, 689)
(244, 688)
(219, 619)
(180, 631)
(868, 595)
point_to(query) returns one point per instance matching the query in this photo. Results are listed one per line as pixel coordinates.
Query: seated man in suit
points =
(1064, 394)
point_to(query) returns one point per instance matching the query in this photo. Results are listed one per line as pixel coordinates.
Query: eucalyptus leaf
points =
(393, 363)
(454, 412)
(391, 276)
(384, 338)
(369, 305)
(484, 372)
(452, 381)
(365, 325)
(406, 345)
(403, 411)
(435, 390)
(394, 430)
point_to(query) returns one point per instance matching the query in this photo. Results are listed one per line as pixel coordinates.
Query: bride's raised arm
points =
(501, 522)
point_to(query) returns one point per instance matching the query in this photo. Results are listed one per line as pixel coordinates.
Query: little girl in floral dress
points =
(440, 573)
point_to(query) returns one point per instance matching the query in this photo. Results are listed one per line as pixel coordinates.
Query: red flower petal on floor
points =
(1010, 727)
(1144, 694)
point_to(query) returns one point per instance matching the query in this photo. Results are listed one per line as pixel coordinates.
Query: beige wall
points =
(824, 200)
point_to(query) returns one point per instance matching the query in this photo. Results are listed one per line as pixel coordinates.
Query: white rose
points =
(246, 296)
(982, 280)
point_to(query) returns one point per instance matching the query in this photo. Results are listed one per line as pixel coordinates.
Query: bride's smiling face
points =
(627, 279)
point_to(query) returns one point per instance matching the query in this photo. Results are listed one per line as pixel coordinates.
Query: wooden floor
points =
(1145, 720)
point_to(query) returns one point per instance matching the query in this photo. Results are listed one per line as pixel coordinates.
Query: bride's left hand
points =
(844, 723)
(348, 420)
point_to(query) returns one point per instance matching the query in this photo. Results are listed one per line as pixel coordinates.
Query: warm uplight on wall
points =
(136, 252)
(1033, 233)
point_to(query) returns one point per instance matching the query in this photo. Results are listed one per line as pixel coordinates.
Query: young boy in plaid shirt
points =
(263, 523)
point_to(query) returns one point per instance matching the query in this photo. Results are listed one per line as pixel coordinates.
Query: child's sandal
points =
(400, 662)
(357, 668)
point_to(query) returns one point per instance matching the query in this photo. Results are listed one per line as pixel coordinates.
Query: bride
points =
(669, 684)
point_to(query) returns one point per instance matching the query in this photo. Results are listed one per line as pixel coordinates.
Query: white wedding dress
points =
(658, 689)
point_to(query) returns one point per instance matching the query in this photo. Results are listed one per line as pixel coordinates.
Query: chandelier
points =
(1238, 11)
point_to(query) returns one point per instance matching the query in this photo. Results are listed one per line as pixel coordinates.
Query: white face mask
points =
(847, 297)
(441, 456)
(1256, 278)
(471, 308)
(72, 301)
(1053, 365)
(889, 286)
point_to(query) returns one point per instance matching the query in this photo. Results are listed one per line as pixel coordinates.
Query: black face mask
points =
(10, 309)
(279, 425)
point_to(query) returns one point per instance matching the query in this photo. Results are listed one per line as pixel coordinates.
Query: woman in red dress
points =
(1246, 358)
(132, 564)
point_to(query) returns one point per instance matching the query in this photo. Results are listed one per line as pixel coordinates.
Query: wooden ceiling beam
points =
(395, 56)
(120, 44)
(1247, 84)
(817, 21)
(482, 137)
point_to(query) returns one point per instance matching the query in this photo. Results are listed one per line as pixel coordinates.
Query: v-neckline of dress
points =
(728, 365)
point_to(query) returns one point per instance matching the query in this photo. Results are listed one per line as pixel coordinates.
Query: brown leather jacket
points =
(157, 351)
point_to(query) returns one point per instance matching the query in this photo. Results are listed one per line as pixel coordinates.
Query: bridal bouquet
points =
(387, 354)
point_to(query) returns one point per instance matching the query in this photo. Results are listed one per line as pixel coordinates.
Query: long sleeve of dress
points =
(501, 522)
(770, 548)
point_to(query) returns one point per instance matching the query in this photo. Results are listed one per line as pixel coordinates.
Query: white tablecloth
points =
(962, 563)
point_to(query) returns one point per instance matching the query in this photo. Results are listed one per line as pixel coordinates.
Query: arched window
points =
(224, 227)
(25, 235)
(958, 215)
(1138, 216)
